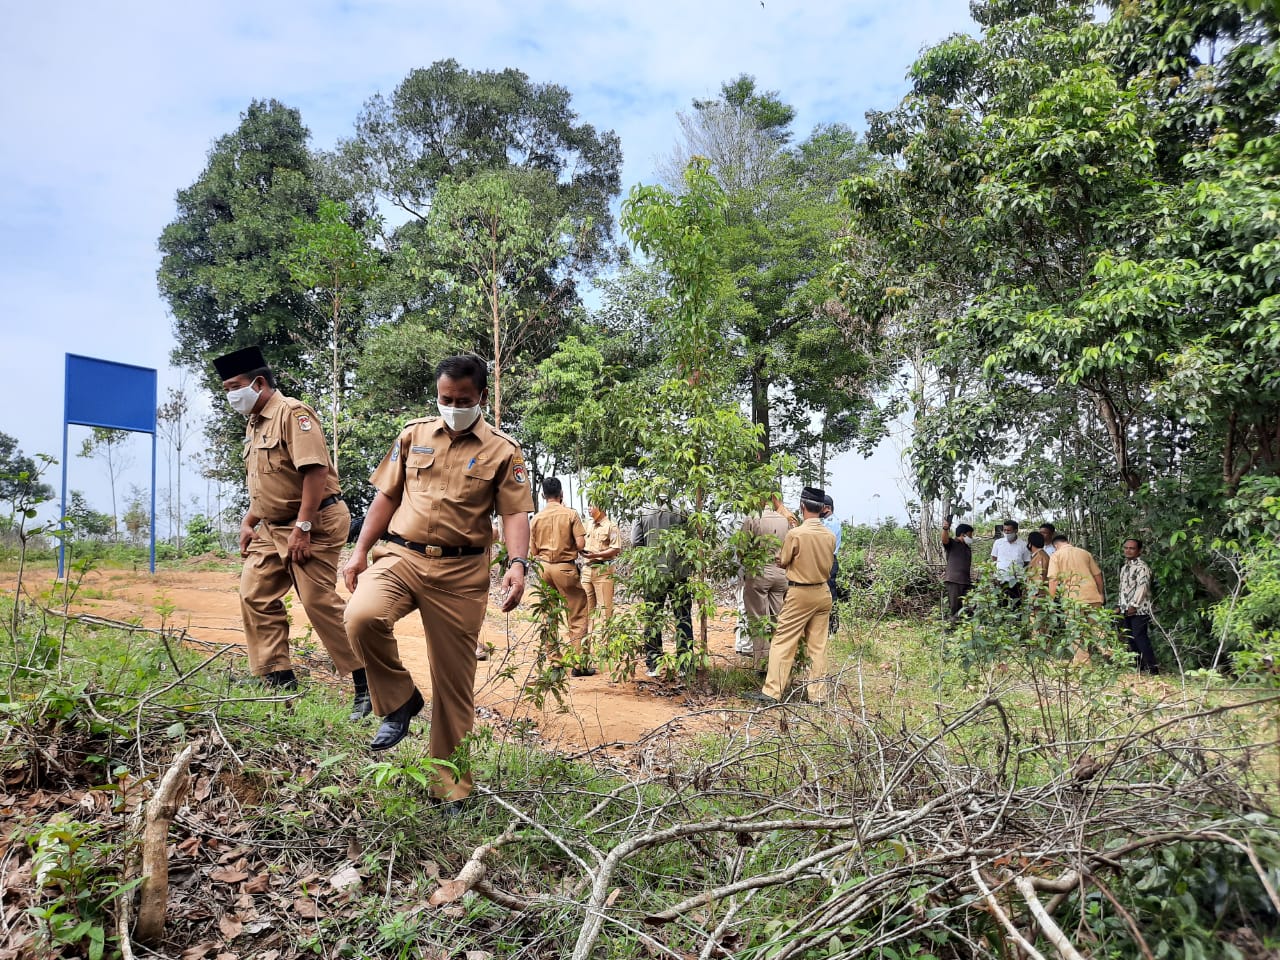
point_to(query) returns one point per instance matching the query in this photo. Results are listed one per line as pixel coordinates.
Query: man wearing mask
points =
(1011, 556)
(438, 485)
(807, 554)
(604, 544)
(556, 537)
(294, 530)
(958, 576)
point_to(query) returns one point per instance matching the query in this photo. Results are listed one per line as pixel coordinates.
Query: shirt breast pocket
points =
(266, 454)
(480, 481)
(417, 470)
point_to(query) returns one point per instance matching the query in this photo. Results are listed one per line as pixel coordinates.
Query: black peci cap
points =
(238, 362)
(814, 495)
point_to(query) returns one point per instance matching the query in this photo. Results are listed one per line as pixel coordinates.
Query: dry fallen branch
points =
(472, 872)
(161, 809)
(1050, 929)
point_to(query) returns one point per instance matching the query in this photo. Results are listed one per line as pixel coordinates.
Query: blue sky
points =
(110, 109)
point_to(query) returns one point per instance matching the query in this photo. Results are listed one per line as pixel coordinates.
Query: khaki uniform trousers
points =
(597, 581)
(762, 599)
(806, 613)
(267, 576)
(564, 579)
(450, 595)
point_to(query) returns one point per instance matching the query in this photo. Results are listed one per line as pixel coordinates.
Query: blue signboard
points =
(116, 396)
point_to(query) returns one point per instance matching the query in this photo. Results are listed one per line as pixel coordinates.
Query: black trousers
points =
(955, 601)
(677, 593)
(1134, 631)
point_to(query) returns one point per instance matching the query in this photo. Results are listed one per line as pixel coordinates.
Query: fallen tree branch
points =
(998, 912)
(1049, 928)
(161, 809)
(472, 872)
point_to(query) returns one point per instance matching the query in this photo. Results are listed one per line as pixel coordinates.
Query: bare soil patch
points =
(598, 711)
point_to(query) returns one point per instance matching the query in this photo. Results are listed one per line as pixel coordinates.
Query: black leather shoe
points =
(282, 679)
(584, 671)
(395, 726)
(361, 706)
(451, 809)
(755, 696)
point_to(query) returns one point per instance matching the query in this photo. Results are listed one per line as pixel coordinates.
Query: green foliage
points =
(74, 867)
(1076, 239)
(202, 536)
(19, 476)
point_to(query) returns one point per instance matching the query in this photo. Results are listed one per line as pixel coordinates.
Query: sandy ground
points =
(600, 711)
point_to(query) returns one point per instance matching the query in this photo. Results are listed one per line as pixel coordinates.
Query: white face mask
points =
(966, 539)
(243, 399)
(1011, 537)
(459, 418)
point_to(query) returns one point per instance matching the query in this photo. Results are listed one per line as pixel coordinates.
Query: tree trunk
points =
(760, 406)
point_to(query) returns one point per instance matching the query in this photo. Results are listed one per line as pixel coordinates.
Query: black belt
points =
(329, 501)
(820, 583)
(431, 550)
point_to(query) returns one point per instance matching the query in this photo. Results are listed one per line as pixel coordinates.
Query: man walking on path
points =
(556, 537)
(438, 486)
(764, 590)
(807, 554)
(604, 544)
(667, 582)
(295, 528)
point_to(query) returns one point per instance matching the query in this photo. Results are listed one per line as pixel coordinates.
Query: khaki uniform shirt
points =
(768, 523)
(808, 552)
(448, 487)
(553, 535)
(603, 536)
(279, 440)
(1074, 569)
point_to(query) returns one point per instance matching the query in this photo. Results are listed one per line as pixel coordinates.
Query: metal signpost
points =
(116, 396)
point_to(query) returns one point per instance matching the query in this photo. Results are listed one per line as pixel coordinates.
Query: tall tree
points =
(791, 350)
(224, 269)
(334, 263)
(174, 421)
(1092, 194)
(19, 476)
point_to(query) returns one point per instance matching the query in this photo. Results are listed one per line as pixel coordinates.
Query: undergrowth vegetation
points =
(958, 795)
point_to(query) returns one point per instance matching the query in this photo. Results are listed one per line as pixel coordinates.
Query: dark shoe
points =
(282, 679)
(362, 705)
(755, 696)
(395, 726)
(584, 671)
(449, 809)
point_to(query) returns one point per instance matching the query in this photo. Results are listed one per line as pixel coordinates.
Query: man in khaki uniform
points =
(807, 554)
(1074, 573)
(764, 588)
(604, 543)
(442, 480)
(295, 528)
(556, 537)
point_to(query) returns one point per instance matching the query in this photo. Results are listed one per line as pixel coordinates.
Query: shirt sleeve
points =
(512, 494)
(1094, 569)
(576, 528)
(388, 478)
(305, 439)
(615, 536)
(789, 550)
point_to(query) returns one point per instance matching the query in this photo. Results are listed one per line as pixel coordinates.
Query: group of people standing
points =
(1047, 565)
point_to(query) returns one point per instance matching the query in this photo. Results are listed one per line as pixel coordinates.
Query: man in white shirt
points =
(1011, 556)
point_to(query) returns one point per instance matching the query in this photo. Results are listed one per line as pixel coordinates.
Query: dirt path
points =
(600, 710)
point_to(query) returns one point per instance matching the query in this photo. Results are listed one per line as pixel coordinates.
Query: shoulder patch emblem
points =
(422, 449)
(518, 471)
(304, 422)
(395, 453)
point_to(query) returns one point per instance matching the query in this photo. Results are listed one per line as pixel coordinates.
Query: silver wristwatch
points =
(304, 526)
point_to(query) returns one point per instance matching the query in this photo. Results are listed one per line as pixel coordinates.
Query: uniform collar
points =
(480, 430)
(269, 408)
